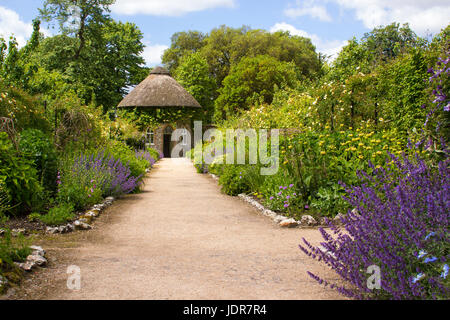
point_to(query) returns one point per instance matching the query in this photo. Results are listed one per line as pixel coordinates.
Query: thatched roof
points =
(159, 89)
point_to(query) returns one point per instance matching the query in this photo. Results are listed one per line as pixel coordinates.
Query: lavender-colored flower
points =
(286, 205)
(291, 185)
(431, 234)
(419, 277)
(271, 198)
(444, 273)
(421, 254)
(432, 259)
(306, 207)
(396, 211)
(288, 197)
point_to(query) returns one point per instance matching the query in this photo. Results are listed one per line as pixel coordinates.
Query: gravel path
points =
(179, 239)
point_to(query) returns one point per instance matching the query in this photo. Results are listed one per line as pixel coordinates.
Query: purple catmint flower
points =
(419, 277)
(397, 210)
(444, 273)
(429, 260)
(421, 254)
(431, 234)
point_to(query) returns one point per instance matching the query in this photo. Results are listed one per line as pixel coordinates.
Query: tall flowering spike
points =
(403, 219)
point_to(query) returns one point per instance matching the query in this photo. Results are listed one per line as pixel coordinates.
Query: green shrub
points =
(153, 153)
(79, 187)
(38, 148)
(20, 178)
(57, 215)
(127, 157)
(26, 111)
(12, 249)
(233, 181)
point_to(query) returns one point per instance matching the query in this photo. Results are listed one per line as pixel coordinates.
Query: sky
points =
(329, 23)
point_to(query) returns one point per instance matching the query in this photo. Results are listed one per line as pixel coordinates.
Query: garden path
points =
(181, 238)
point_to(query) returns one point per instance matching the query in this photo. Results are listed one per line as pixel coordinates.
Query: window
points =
(151, 137)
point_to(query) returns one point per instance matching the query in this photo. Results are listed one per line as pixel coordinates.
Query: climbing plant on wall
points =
(152, 117)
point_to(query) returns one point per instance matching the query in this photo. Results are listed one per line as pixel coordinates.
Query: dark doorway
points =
(166, 148)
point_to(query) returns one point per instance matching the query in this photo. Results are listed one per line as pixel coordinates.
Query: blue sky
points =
(329, 23)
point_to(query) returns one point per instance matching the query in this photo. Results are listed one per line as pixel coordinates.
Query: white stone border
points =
(84, 220)
(281, 220)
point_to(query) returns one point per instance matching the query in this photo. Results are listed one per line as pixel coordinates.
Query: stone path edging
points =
(282, 221)
(85, 220)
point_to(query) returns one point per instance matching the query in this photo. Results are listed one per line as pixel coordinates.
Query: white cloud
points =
(167, 7)
(10, 24)
(308, 8)
(422, 15)
(331, 48)
(153, 54)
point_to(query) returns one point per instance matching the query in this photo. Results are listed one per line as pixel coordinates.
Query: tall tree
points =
(182, 44)
(252, 80)
(193, 75)
(76, 16)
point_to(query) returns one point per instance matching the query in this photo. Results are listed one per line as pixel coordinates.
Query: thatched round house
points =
(160, 91)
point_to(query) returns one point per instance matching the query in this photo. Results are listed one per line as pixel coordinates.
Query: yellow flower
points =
(323, 152)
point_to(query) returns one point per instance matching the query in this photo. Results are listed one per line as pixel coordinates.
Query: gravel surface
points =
(179, 239)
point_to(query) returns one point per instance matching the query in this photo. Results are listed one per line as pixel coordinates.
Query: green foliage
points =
(145, 118)
(224, 48)
(58, 215)
(233, 181)
(23, 109)
(20, 178)
(120, 150)
(403, 87)
(182, 44)
(153, 153)
(193, 75)
(38, 148)
(79, 189)
(253, 80)
(12, 249)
